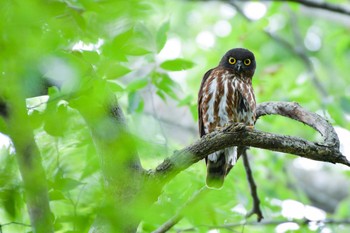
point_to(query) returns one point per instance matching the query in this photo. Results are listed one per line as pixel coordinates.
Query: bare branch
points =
(294, 111)
(256, 202)
(326, 151)
(320, 5)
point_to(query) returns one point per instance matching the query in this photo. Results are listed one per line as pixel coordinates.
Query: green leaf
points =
(161, 36)
(137, 84)
(56, 195)
(185, 101)
(114, 48)
(3, 126)
(165, 85)
(161, 94)
(115, 87)
(66, 184)
(113, 70)
(56, 120)
(134, 49)
(53, 91)
(36, 119)
(91, 56)
(177, 64)
(9, 197)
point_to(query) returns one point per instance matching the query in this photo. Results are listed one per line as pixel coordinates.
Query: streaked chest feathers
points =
(227, 98)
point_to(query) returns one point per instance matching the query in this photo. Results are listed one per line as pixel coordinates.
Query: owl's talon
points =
(238, 126)
(250, 127)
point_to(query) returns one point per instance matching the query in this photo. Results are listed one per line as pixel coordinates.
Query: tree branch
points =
(29, 161)
(326, 151)
(322, 5)
(256, 202)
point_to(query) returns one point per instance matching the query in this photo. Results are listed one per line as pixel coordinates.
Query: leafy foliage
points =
(154, 66)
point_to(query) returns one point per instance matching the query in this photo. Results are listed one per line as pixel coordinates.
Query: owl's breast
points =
(226, 99)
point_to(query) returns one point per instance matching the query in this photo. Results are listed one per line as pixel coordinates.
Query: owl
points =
(226, 96)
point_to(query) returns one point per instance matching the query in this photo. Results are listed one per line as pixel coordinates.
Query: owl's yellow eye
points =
(247, 62)
(232, 60)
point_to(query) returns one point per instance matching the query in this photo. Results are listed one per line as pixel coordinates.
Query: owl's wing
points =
(200, 98)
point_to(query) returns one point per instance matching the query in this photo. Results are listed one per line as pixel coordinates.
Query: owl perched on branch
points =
(226, 96)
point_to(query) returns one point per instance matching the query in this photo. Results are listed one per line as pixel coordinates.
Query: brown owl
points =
(226, 96)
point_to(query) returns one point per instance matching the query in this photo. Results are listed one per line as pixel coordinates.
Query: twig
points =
(319, 5)
(253, 191)
(178, 216)
(15, 223)
(336, 8)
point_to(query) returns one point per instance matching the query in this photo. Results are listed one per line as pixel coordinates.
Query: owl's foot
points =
(250, 127)
(237, 126)
(227, 125)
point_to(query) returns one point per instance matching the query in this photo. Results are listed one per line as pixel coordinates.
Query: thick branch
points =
(326, 151)
(29, 163)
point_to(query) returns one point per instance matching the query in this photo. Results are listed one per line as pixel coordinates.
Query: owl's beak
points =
(238, 66)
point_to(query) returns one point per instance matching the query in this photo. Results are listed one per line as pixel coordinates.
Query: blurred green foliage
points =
(88, 47)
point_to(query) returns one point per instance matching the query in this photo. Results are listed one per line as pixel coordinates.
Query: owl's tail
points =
(218, 166)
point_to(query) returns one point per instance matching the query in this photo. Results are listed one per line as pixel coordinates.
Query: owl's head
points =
(242, 61)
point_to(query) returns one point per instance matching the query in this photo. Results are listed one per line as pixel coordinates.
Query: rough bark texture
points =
(236, 135)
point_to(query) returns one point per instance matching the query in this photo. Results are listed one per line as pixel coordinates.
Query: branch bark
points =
(28, 158)
(253, 189)
(326, 151)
